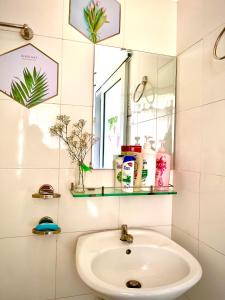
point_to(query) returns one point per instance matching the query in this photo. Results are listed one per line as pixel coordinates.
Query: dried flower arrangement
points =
(78, 142)
(95, 17)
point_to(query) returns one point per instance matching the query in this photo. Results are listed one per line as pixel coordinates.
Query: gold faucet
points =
(125, 236)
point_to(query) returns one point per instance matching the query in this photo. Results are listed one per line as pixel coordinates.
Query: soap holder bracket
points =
(46, 191)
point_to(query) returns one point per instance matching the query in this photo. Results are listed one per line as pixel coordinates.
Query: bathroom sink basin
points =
(152, 267)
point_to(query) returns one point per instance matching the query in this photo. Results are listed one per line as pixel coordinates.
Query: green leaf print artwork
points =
(31, 90)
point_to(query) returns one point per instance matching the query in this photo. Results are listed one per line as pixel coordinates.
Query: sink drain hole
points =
(128, 251)
(133, 284)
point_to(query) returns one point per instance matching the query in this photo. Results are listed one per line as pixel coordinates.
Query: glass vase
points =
(79, 179)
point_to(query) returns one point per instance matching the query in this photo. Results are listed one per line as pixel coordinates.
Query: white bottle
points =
(149, 164)
(128, 174)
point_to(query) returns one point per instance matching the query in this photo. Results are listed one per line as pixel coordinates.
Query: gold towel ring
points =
(143, 84)
(216, 46)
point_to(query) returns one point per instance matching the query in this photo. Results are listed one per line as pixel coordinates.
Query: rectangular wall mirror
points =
(134, 97)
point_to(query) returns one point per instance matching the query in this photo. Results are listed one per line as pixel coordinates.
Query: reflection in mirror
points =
(134, 96)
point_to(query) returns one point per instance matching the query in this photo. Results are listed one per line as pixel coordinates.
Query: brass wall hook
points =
(25, 31)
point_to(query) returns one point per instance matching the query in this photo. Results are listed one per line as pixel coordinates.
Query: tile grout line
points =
(59, 154)
(198, 172)
(118, 217)
(198, 240)
(57, 104)
(199, 206)
(199, 106)
(124, 23)
(68, 297)
(200, 39)
(89, 230)
(56, 264)
(89, 43)
(200, 175)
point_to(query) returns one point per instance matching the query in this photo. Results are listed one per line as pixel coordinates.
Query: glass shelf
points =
(112, 191)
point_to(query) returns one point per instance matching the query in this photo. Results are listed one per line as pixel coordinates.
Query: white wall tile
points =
(45, 18)
(143, 64)
(212, 284)
(201, 20)
(213, 70)
(166, 86)
(164, 60)
(81, 214)
(213, 15)
(77, 73)
(142, 17)
(186, 181)
(186, 202)
(185, 240)
(189, 78)
(11, 40)
(165, 132)
(68, 282)
(145, 211)
(188, 140)
(142, 129)
(213, 142)
(98, 178)
(21, 212)
(191, 245)
(27, 268)
(29, 144)
(189, 23)
(165, 230)
(212, 208)
(185, 212)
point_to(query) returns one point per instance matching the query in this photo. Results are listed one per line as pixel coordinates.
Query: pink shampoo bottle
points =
(162, 176)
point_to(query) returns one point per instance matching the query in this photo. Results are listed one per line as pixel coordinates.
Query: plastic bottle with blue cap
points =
(128, 174)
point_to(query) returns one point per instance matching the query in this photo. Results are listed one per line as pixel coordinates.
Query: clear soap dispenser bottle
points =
(149, 164)
(162, 176)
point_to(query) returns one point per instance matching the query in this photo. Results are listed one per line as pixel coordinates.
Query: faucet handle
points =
(129, 238)
(124, 228)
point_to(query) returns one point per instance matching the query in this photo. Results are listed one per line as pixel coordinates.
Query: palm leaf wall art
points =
(32, 90)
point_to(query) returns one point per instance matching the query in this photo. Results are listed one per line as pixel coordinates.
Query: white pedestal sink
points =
(152, 267)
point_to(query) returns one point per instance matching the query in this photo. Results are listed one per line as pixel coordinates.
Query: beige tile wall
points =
(37, 268)
(198, 210)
